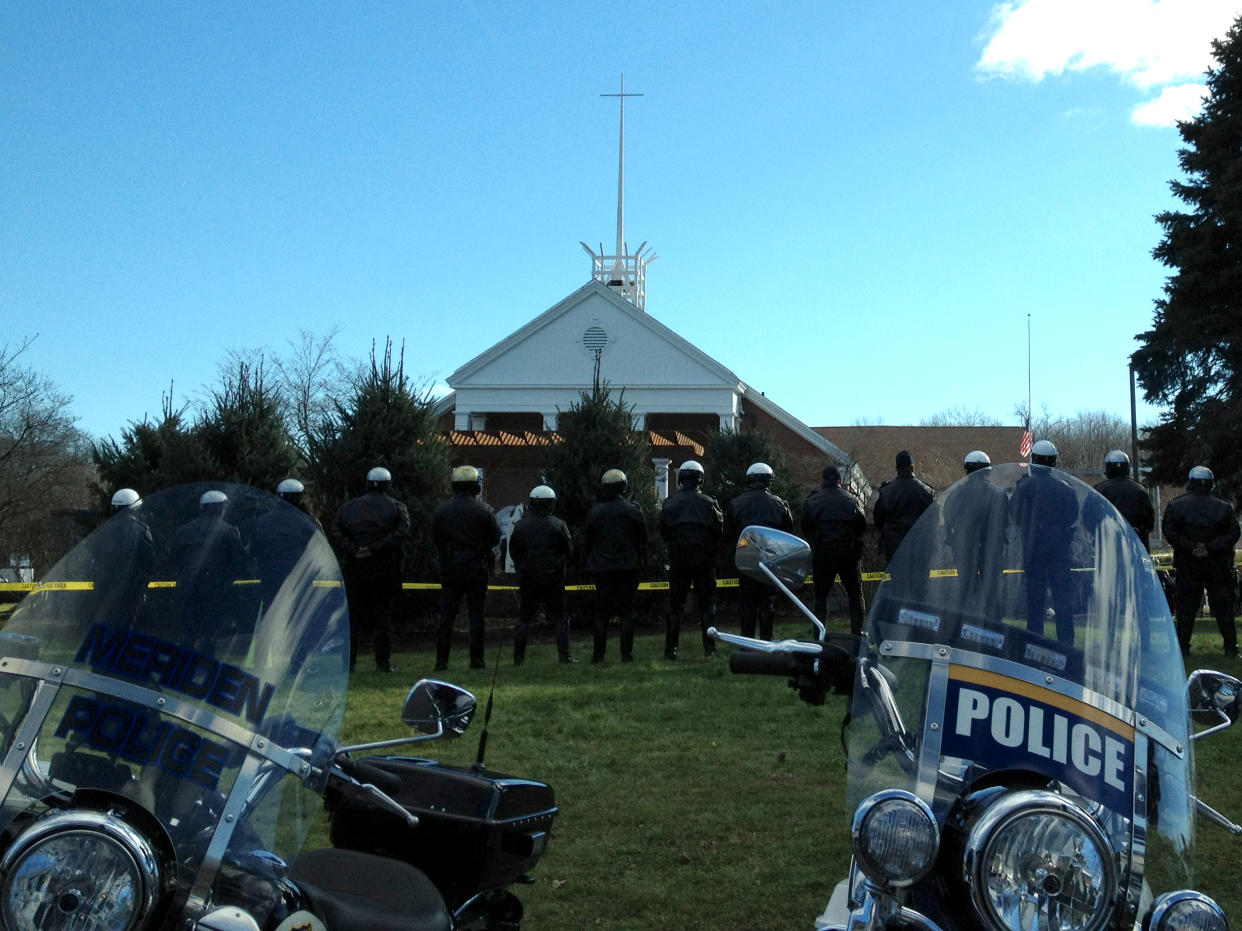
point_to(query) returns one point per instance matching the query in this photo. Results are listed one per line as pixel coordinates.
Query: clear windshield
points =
(179, 651)
(1024, 637)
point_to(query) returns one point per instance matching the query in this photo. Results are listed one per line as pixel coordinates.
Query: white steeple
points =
(623, 271)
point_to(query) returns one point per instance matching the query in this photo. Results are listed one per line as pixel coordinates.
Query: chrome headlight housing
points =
(1037, 861)
(895, 838)
(1185, 911)
(78, 870)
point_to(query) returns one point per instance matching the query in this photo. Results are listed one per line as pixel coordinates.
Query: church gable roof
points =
(558, 348)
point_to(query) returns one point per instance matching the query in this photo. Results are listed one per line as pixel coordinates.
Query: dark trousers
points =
(680, 582)
(615, 596)
(371, 599)
(1047, 569)
(1219, 584)
(546, 589)
(452, 591)
(755, 601)
(826, 572)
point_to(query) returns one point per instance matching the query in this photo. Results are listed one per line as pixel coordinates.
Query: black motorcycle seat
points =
(353, 891)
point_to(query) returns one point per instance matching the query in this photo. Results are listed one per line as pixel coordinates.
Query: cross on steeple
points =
(624, 272)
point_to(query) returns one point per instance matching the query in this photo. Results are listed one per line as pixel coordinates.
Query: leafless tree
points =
(312, 376)
(1082, 440)
(44, 460)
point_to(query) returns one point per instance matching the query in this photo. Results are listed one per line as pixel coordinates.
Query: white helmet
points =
(975, 460)
(614, 480)
(1116, 464)
(542, 499)
(1044, 453)
(290, 486)
(379, 474)
(466, 479)
(125, 498)
(690, 473)
(212, 497)
(759, 473)
(1201, 477)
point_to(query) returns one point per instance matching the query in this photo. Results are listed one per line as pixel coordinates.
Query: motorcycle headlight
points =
(1035, 860)
(78, 870)
(1186, 911)
(895, 838)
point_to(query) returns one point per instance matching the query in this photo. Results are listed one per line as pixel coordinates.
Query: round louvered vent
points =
(595, 338)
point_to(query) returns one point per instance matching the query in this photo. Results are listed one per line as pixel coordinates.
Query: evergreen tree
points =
(597, 434)
(1191, 359)
(151, 455)
(244, 432)
(385, 422)
(732, 452)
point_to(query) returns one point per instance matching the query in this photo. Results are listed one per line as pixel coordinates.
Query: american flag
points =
(1024, 449)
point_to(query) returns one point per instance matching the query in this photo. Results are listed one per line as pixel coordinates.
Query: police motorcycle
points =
(170, 710)
(1008, 774)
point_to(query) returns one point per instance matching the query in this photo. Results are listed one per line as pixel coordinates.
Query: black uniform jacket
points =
(540, 543)
(902, 501)
(1200, 517)
(833, 522)
(1133, 501)
(691, 525)
(616, 536)
(464, 530)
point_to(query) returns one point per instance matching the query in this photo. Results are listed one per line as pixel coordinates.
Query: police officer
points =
(976, 515)
(372, 529)
(541, 546)
(902, 501)
(616, 550)
(128, 554)
(756, 505)
(1127, 496)
(277, 542)
(464, 530)
(1045, 509)
(690, 525)
(1202, 530)
(209, 558)
(833, 521)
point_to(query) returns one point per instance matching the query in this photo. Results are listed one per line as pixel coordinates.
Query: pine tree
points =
(596, 434)
(384, 422)
(1191, 359)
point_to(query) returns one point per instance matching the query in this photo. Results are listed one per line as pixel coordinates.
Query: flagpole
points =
(1027, 438)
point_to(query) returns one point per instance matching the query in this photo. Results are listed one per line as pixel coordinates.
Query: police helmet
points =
(1116, 464)
(1044, 453)
(975, 460)
(614, 482)
(831, 475)
(1201, 479)
(466, 478)
(759, 473)
(124, 498)
(690, 473)
(213, 498)
(291, 490)
(542, 499)
(379, 477)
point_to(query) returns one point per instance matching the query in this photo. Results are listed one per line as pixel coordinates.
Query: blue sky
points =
(855, 205)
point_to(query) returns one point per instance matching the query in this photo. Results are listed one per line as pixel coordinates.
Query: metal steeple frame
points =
(624, 272)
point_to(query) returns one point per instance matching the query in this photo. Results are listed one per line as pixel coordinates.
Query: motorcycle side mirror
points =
(441, 708)
(777, 558)
(1215, 699)
(786, 556)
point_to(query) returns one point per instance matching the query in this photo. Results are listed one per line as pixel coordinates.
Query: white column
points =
(661, 477)
(461, 420)
(549, 420)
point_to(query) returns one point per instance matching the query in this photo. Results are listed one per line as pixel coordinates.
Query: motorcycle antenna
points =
(478, 766)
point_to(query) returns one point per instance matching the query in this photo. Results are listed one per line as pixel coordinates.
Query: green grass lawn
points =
(691, 798)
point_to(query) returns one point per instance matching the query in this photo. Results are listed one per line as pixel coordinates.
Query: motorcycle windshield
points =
(1023, 639)
(183, 658)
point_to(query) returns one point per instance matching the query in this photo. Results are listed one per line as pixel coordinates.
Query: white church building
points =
(505, 402)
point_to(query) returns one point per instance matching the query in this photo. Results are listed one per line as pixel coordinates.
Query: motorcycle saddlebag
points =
(476, 829)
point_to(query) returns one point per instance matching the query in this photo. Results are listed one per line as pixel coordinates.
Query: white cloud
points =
(1179, 102)
(1151, 44)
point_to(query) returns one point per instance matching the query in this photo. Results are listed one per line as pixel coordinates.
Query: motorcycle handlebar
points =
(763, 664)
